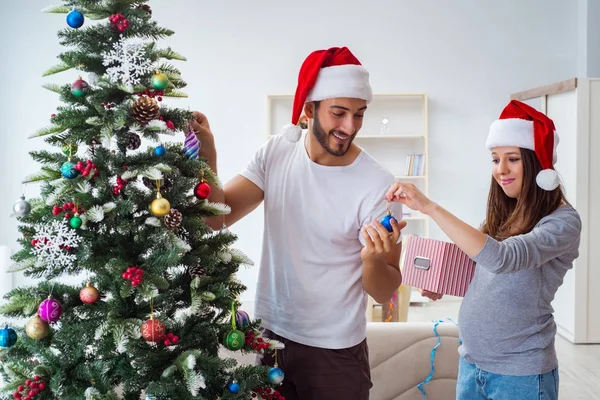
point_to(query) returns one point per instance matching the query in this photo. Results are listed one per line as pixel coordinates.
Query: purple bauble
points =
(50, 310)
(241, 318)
(191, 146)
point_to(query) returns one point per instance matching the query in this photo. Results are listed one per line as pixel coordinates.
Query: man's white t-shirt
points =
(309, 286)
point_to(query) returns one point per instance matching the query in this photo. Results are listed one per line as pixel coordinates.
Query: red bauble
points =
(153, 330)
(202, 190)
(89, 294)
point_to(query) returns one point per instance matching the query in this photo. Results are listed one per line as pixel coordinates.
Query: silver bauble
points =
(21, 207)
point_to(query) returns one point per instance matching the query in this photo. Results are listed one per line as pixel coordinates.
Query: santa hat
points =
(523, 126)
(327, 74)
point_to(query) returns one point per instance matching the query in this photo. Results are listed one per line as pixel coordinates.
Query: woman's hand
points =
(431, 295)
(409, 195)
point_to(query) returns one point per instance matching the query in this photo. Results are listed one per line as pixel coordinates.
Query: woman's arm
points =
(467, 238)
(533, 249)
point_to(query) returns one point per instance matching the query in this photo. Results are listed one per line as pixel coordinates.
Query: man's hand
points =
(201, 127)
(381, 260)
(379, 241)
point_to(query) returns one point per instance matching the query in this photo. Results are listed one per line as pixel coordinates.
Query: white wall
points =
(467, 55)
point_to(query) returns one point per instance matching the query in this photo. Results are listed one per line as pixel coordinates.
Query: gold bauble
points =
(160, 207)
(37, 328)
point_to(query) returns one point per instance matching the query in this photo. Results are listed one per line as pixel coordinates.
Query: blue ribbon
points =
(432, 356)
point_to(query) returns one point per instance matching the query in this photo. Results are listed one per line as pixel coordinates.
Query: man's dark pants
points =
(313, 373)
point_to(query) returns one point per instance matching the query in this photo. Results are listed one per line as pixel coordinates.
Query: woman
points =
(526, 245)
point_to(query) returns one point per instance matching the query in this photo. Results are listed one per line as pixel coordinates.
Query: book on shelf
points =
(415, 165)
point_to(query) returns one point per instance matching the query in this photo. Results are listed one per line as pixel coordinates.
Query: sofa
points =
(400, 354)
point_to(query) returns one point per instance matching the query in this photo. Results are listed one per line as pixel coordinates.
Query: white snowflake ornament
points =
(127, 62)
(52, 244)
(93, 78)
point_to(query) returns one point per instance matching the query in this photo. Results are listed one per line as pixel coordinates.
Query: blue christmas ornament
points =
(387, 222)
(8, 337)
(68, 170)
(234, 387)
(75, 19)
(160, 150)
(275, 376)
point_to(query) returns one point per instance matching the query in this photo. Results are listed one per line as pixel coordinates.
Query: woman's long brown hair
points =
(506, 217)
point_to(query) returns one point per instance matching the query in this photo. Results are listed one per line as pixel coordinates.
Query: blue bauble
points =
(75, 19)
(387, 222)
(160, 150)
(68, 170)
(234, 387)
(275, 376)
(8, 337)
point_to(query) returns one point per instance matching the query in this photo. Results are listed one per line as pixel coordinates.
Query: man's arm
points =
(382, 278)
(239, 193)
(242, 196)
(381, 260)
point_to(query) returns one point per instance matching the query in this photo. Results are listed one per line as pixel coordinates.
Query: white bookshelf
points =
(405, 133)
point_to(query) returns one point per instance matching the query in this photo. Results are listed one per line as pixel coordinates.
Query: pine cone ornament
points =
(133, 141)
(145, 7)
(144, 110)
(197, 270)
(173, 219)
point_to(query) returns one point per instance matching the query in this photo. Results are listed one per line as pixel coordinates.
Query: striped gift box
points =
(437, 266)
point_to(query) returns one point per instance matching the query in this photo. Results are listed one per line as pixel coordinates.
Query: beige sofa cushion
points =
(400, 359)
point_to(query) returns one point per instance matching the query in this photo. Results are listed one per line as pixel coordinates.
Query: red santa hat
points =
(522, 125)
(327, 74)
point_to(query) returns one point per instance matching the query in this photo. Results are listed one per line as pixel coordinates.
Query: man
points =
(323, 197)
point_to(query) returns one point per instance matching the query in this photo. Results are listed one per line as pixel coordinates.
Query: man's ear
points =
(309, 110)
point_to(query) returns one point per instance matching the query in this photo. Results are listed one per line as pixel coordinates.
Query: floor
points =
(579, 365)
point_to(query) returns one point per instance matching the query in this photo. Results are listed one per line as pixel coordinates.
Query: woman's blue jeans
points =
(476, 384)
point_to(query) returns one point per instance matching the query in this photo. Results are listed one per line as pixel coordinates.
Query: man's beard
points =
(323, 139)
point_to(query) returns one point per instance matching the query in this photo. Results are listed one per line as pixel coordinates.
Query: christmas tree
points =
(156, 296)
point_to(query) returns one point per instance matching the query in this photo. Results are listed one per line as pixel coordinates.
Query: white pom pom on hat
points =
(523, 126)
(327, 74)
(291, 132)
(547, 179)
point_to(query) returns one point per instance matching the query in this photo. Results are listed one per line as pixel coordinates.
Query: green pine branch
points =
(175, 94)
(46, 174)
(57, 68)
(53, 87)
(58, 9)
(50, 130)
(83, 60)
(170, 54)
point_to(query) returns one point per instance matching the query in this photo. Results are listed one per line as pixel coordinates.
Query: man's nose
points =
(349, 125)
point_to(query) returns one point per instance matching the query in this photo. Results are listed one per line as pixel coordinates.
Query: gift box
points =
(437, 266)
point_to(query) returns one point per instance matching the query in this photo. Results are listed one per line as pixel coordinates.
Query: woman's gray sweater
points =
(505, 321)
